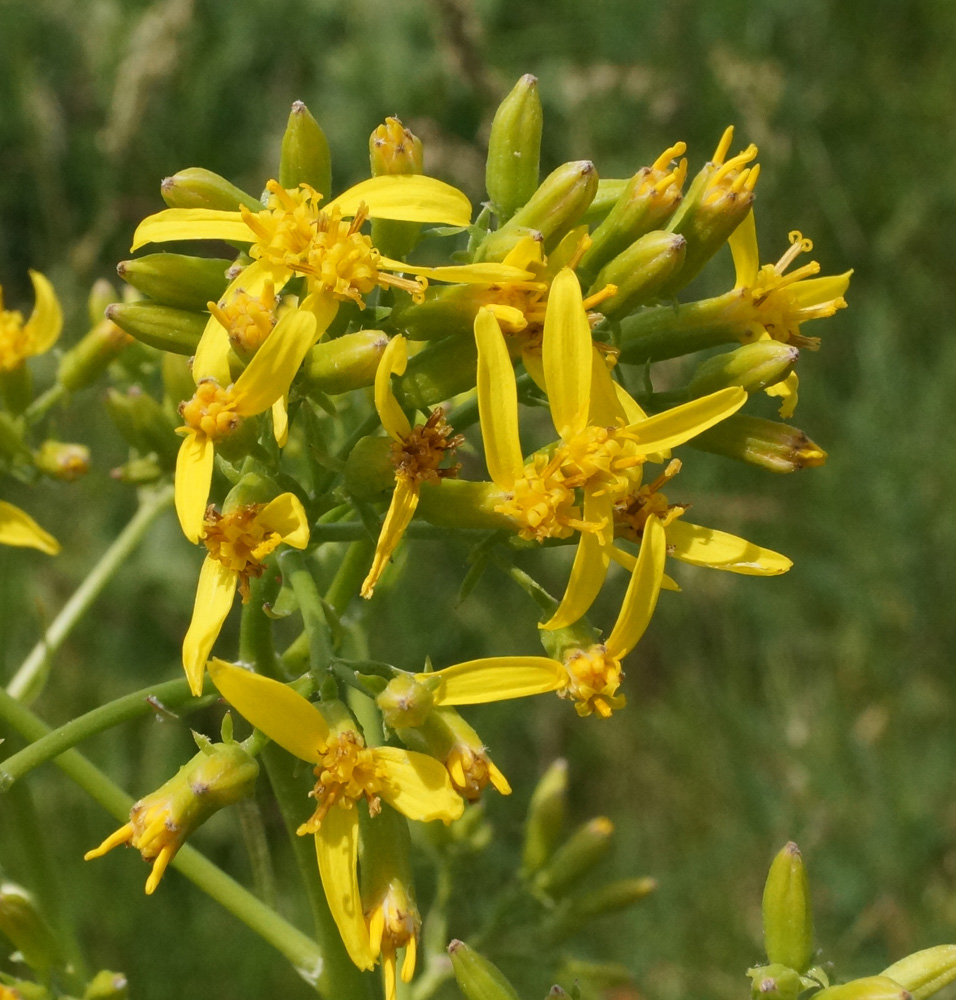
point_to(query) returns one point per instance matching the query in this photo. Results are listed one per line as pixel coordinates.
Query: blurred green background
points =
(816, 707)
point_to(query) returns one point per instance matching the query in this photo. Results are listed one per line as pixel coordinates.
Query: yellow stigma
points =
(15, 342)
(471, 770)
(732, 177)
(593, 680)
(240, 542)
(346, 772)
(248, 320)
(632, 511)
(419, 454)
(663, 182)
(211, 411)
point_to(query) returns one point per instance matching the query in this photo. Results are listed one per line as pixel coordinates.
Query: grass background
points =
(817, 707)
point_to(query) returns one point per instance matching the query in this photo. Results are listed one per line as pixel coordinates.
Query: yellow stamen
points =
(211, 411)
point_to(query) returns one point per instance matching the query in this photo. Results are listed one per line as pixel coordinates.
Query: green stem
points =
(348, 577)
(295, 570)
(353, 531)
(27, 681)
(45, 402)
(300, 950)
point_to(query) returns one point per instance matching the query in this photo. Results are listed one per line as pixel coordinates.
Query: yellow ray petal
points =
(46, 320)
(681, 423)
(191, 224)
(605, 409)
(628, 561)
(814, 291)
(485, 273)
(215, 593)
(400, 513)
(566, 353)
(720, 550)
(497, 678)
(336, 849)
(642, 592)
(411, 197)
(193, 478)
(18, 528)
(534, 367)
(392, 362)
(280, 421)
(275, 709)
(497, 402)
(590, 563)
(273, 367)
(418, 786)
(632, 411)
(525, 252)
(286, 515)
(743, 246)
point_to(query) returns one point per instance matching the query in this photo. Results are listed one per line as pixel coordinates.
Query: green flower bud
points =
(442, 370)
(101, 295)
(545, 819)
(178, 381)
(514, 149)
(405, 702)
(478, 979)
(460, 503)
(12, 444)
(608, 192)
(640, 272)
(753, 367)
(159, 326)
(369, 471)
(576, 911)
(196, 187)
(63, 461)
(138, 471)
(393, 149)
(787, 917)
(588, 845)
(25, 926)
(768, 444)
(86, 360)
(21, 989)
(173, 279)
(775, 982)
(106, 985)
(447, 310)
(870, 988)
(144, 424)
(552, 211)
(305, 157)
(346, 363)
(925, 972)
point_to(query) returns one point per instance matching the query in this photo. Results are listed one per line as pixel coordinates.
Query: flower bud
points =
(218, 776)
(369, 471)
(106, 985)
(442, 370)
(178, 381)
(753, 367)
(405, 702)
(514, 149)
(775, 982)
(925, 972)
(576, 911)
(138, 471)
(25, 926)
(768, 444)
(552, 211)
(86, 360)
(446, 310)
(144, 423)
(639, 273)
(196, 187)
(173, 279)
(870, 988)
(787, 916)
(393, 149)
(159, 326)
(22, 989)
(346, 363)
(460, 503)
(545, 818)
(62, 460)
(12, 444)
(588, 845)
(102, 293)
(477, 978)
(305, 156)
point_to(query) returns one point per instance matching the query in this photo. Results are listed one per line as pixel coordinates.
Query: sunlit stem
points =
(45, 402)
(296, 572)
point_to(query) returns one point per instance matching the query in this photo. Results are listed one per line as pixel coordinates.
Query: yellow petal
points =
(193, 478)
(412, 198)
(275, 709)
(605, 409)
(392, 362)
(525, 252)
(719, 550)
(815, 291)
(743, 246)
(590, 563)
(191, 224)
(497, 402)
(417, 785)
(215, 593)
(787, 391)
(642, 592)
(46, 320)
(681, 423)
(273, 367)
(497, 678)
(18, 528)
(286, 516)
(632, 410)
(336, 849)
(484, 273)
(628, 561)
(400, 513)
(566, 352)
(280, 421)
(534, 367)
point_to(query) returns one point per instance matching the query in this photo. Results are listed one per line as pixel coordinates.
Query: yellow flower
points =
(20, 340)
(393, 923)
(346, 772)
(19, 529)
(218, 408)
(417, 453)
(237, 543)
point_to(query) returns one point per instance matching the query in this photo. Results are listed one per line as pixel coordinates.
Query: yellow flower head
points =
(20, 340)
(247, 319)
(393, 923)
(17, 528)
(725, 179)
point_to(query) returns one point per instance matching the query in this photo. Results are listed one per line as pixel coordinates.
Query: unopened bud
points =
(477, 978)
(787, 916)
(925, 972)
(461, 503)
(775, 982)
(62, 460)
(753, 367)
(106, 985)
(588, 845)
(86, 360)
(394, 149)
(405, 702)
(442, 370)
(138, 471)
(25, 926)
(576, 911)
(446, 310)
(768, 444)
(870, 988)
(639, 273)
(545, 820)
(514, 149)
(101, 295)
(159, 326)
(196, 187)
(346, 363)
(305, 157)
(173, 279)
(12, 443)
(144, 423)
(369, 471)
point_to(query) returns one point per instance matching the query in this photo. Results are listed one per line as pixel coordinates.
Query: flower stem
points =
(28, 680)
(295, 570)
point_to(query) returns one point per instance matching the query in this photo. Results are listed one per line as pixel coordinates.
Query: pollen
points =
(211, 411)
(593, 680)
(345, 773)
(240, 542)
(418, 456)
(248, 320)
